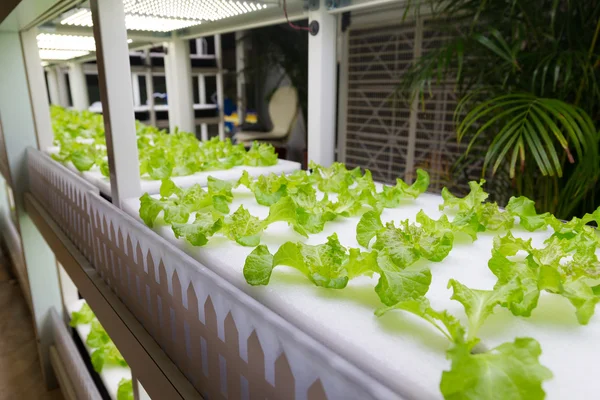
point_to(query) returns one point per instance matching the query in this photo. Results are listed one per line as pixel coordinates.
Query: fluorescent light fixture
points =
(62, 54)
(65, 42)
(156, 24)
(50, 41)
(133, 22)
(208, 10)
(166, 16)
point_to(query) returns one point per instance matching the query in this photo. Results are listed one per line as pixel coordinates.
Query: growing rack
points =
(152, 296)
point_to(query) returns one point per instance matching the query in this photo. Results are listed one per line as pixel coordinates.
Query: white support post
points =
(63, 92)
(414, 109)
(240, 65)
(35, 76)
(79, 92)
(342, 97)
(135, 86)
(220, 92)
(53, 85)
(19, 131)
(114, 79)
(149, 87)
(202, 91)
(322, 87)
(180, 97)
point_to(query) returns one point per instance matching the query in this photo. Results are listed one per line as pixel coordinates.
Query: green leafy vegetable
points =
(391, 196)
(80, 138)
(328, 265)
(524, 208)
(480, 304)
(125, 390)
(509, 371)
(197, 233)
(474, 199)
(443, 321)
(85, 315)
(244, 228)
(398, 284)
(104, 350)
(107, 355)
(544, 269)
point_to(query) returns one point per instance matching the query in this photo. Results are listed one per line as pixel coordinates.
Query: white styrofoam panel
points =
(401, 350)
(95, 177)
(111, 375)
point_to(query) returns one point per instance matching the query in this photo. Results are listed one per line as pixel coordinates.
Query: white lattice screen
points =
(381, 132)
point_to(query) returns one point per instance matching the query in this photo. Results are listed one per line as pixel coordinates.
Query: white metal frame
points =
(179, 86)
(19, 131)
(114, 78)
(322, 87)
(79, 91)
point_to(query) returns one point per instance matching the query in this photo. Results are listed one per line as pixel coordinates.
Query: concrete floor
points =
(20, 372)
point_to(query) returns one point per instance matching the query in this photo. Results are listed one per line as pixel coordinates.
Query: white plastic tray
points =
(95, 177)
(403, 351)
(110, 375)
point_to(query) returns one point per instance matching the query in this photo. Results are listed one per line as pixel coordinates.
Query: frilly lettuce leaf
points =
(509, 371)
(474, 199)
(125, 390)
(443, 321)
(107, 355)
(391, 196)
(243, 227)
(85, 315)
(334, 178)
(480, 304)
(524, 208)
(260, 155)
(398, 284)
(544, 269)
(197, 233)
(328, 265)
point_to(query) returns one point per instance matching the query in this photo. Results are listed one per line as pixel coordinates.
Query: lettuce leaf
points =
(97, 336)
(524, 208)
(474, 199)
(397, 284)
(85, 315)
(480, 304)
(125, 390)
(509, 371)
(391, 196)
(243, 227)
(197, 233)
(543, 269)
(443, 321)
(107, 355)
(328, 265)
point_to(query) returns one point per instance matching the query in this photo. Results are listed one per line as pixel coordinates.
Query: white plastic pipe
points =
(322, 87)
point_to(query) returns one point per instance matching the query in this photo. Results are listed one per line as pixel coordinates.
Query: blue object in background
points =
(228, 108)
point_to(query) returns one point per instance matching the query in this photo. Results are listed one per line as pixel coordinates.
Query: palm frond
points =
(524, 125)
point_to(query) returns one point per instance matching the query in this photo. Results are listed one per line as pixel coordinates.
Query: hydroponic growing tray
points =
(402, 351)
(95, 177)
(111, 375)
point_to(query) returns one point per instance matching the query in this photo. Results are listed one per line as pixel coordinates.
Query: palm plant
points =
(527, 76)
